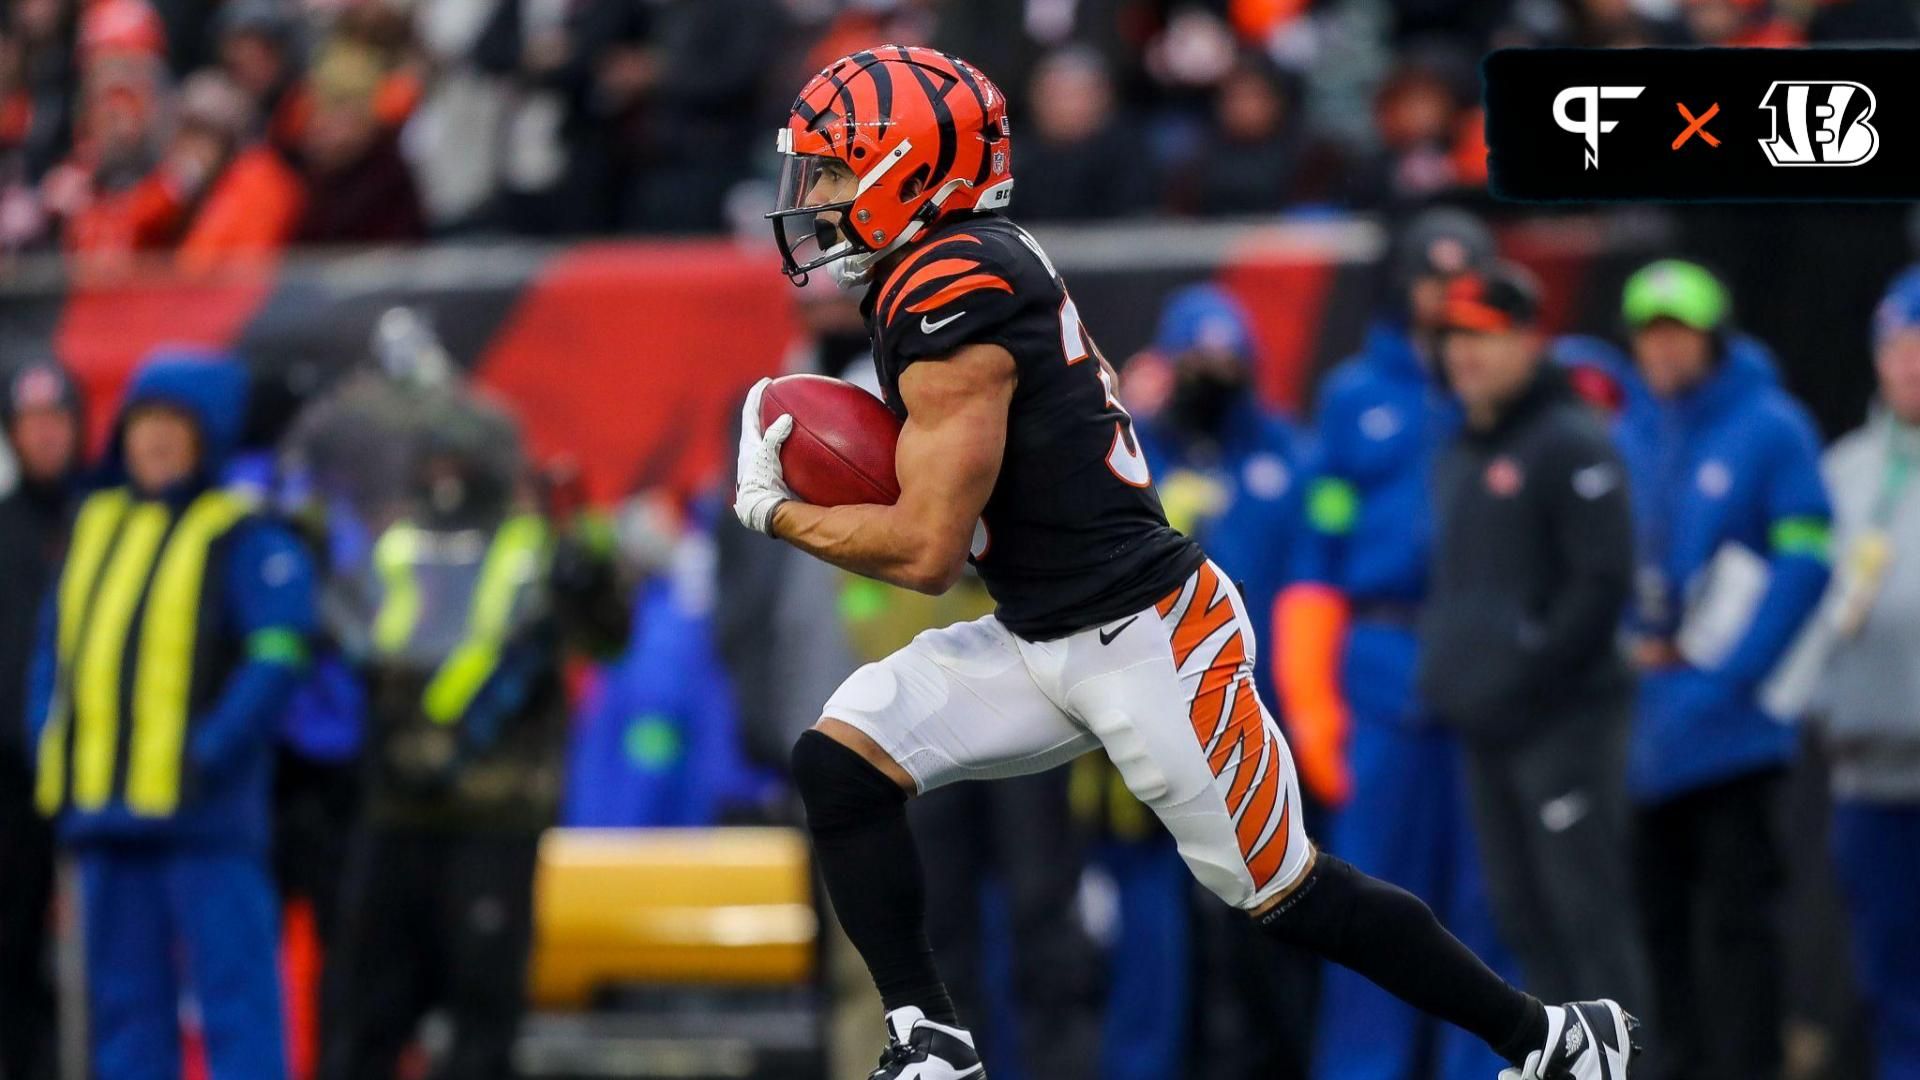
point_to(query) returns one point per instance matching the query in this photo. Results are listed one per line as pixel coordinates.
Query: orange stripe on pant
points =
(1253, 823)
(1166, 603)
(1252, 734)
(1243, 728)
(1267, 861)
(1210, 610)
(1243, 739)
(1210, 698)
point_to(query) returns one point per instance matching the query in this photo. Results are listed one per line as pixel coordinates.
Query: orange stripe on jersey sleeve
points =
(901, 272)
(1166, 603)
(954, 290)
(926, 275)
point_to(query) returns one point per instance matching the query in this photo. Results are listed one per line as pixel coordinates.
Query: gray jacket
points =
(1871, 691)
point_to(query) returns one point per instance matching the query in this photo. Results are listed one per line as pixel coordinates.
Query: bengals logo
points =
(1820, 123)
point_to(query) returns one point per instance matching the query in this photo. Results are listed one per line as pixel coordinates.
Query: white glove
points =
(760, 487)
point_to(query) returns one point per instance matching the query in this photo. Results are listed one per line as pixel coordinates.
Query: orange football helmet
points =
(923, 134)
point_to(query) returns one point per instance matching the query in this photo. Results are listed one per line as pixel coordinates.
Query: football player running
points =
(1111, 629)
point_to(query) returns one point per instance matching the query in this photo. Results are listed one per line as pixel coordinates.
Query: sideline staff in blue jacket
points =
(1719, 457)
(1225, 466)
(1344, 631)
(173, 641)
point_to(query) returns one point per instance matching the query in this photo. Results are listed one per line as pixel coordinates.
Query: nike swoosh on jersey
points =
(928, 325)
(1107, 638)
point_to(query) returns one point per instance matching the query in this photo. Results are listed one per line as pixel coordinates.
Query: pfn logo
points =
(1825, 124)
(1589, 125)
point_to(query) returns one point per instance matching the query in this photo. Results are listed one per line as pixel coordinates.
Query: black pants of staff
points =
(1712, 881)
(27, 1028)
(433, 920)
(1015, 831)
(1551, 817)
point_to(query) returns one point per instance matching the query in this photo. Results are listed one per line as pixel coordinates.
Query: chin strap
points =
(856, 269)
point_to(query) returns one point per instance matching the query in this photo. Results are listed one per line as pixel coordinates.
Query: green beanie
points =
(1675, 289)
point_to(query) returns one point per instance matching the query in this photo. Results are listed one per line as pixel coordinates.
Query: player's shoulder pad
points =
(959, 289)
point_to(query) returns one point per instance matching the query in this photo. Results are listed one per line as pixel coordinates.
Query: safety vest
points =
(128, 648)
(515, 560)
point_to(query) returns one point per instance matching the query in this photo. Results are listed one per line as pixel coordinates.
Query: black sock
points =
(1390, 936)
(868, 859)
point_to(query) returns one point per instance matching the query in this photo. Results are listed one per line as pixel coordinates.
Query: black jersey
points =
(1073, 535)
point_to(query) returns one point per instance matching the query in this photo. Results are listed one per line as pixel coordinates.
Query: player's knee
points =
(840, 788)
(1335, 904)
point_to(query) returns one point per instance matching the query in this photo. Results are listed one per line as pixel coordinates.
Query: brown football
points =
(841, 449)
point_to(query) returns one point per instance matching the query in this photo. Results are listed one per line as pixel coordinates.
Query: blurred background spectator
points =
(41, 415)
(1227, 467)
(169, 823)
(1080, 150)
(539, 117)
(1347, 625)
(1868, 626)
(1429, 134)
(658, 741)
(1532, 566)
(1732, 522)
(1255, 154)
(460, 626)
(359, 190)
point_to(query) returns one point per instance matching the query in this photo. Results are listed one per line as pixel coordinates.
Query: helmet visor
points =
(816, 192)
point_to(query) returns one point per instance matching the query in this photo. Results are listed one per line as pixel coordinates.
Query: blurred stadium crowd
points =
(678, 656)
(224, 129)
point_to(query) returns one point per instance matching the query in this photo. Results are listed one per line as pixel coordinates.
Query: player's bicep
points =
(956, 431)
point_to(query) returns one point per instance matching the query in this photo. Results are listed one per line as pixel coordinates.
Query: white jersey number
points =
(1124, 457)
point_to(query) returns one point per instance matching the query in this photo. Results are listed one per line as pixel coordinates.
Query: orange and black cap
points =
(1500, 298)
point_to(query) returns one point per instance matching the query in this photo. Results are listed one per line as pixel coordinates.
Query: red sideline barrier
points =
(628, 357)
(106, 328)
(631, 359)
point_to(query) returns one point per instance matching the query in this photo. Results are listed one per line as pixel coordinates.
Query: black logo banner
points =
(1704, 124)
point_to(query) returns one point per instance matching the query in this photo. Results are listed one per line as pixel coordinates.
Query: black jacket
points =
(1531, 570)
(33, 534)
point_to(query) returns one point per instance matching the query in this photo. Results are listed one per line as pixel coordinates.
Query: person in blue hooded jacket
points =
(1226, 463)
(1226, 467)
(1724, 470)
(173, 639)
(1345, 642)
(658, 745)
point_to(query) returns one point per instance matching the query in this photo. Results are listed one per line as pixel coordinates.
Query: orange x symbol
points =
(1697, 125)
